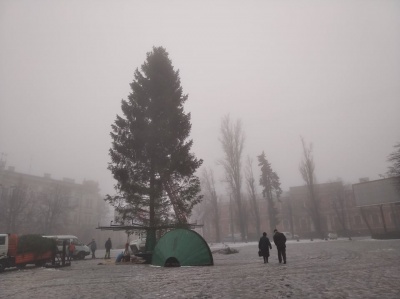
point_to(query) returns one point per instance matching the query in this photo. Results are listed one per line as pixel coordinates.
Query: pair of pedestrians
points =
(264, 245)
(93, 248)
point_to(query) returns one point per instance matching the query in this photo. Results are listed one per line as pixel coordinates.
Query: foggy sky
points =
(325, 70)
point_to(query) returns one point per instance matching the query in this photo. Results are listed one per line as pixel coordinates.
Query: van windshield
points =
(77, 242)
(68, 241)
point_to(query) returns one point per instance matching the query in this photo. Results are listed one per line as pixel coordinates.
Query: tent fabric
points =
(185, 246)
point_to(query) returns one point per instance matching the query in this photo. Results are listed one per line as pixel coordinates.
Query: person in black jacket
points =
(264, 245)
(108, 247)
(280, 242)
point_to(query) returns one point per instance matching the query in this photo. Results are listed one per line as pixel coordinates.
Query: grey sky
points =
(325, 70)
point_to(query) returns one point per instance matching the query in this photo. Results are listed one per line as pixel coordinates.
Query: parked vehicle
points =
(139, 244)
(19, 251)
(289, 236)
(81, 250)
(332, 236)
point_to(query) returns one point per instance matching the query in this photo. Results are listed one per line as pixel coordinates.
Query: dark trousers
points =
(93, 254)
(265, 259)
(107, 254)
(282, 255)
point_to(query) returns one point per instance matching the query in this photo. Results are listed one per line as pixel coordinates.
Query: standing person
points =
(108, 246)
(280, 242)
(264, 245)
(71, 249)
(93, 247)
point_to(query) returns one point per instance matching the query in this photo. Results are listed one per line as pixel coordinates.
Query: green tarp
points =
(182, 247)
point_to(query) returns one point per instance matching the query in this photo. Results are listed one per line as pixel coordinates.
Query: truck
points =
(19, 251)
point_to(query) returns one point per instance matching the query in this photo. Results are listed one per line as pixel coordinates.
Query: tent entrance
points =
(172, 262)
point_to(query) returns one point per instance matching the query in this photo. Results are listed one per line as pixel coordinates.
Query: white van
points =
(81, 250)
(289, 236)
(139, 244)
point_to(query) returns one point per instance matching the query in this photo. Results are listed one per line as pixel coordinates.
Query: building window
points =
(375, 219)
(393, 218)
(357, 220)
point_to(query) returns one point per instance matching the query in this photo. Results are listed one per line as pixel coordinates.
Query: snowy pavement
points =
(362, 268)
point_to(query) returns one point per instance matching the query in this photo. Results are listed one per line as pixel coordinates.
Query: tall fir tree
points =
(270, 182)
(150, 154)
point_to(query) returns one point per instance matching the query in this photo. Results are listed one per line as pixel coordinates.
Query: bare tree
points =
(200, 216)
(252, 193)
(211, 199)
(307, 170)
(14, 203)
(54, 208)
(232, 140)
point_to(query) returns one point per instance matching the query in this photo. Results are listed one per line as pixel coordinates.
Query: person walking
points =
(264, 245)
(280, 242)
(108, 246)
(93, 247)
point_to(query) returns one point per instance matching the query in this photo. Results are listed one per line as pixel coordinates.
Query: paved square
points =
(362, 268)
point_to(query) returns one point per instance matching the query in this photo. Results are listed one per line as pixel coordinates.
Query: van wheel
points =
(81, 256)
(2, 267)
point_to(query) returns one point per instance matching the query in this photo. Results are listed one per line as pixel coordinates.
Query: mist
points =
(327, 71)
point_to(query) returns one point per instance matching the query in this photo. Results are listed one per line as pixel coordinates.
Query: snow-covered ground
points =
(361, 268)
(301, 241)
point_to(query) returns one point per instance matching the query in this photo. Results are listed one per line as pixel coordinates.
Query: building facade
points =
(43, 205)
(338, 213)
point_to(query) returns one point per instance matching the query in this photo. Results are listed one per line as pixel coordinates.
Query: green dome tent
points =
(182, 247)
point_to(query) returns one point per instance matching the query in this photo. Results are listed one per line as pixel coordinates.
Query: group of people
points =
(93, 247)
(264, 245)
(108, 245)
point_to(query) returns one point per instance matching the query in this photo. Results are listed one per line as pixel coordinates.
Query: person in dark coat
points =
(108, 247)
(93, 248)
(264, 245)
(280, 242)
